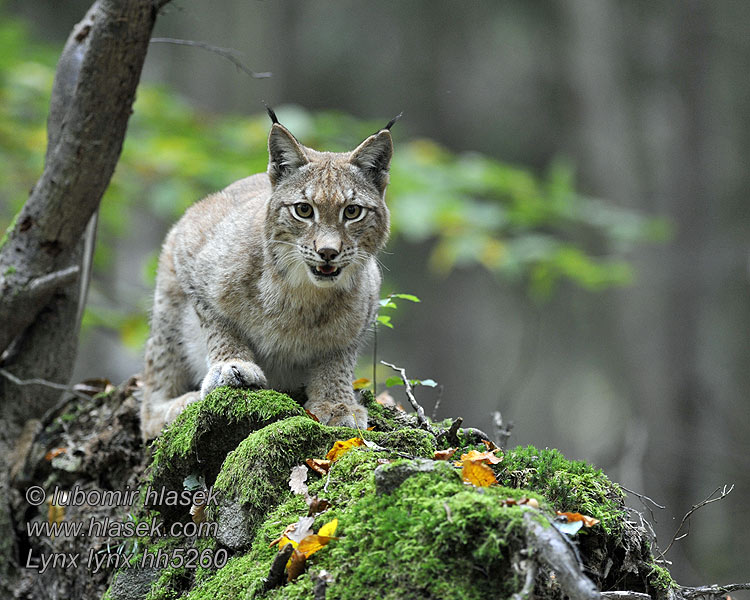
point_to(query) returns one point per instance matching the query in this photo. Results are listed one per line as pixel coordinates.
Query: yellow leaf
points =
(478, 474)
(342, 447)
(329, 528)
(361, 383)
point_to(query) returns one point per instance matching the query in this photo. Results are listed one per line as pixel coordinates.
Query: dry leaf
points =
(444, 454)
(490, 445)
(361, 383)
(289, 528)
(54, 452)
(317, 505)
(297, 479)
(198, 512)
(572, 517)
(385, 399)
(477, 473)
(301, 531)
(488, 457)
(319, 465)
(312, 416)
(296, 565)
(55, 514)
(533, 502)
(342, 447)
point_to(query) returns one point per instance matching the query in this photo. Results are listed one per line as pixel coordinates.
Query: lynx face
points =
(327, 215)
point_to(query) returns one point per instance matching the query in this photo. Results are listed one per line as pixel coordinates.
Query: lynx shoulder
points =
(272, 282)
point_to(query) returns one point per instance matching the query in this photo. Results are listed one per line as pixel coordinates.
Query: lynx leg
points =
(330, 393)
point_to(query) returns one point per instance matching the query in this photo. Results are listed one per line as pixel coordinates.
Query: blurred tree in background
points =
(534, 230)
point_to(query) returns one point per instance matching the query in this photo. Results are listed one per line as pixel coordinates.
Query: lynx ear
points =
(373, 157)
(285, 153)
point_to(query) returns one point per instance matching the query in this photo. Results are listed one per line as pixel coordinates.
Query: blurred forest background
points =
(569, 200)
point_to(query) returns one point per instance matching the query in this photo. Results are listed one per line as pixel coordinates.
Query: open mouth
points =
(328, 271)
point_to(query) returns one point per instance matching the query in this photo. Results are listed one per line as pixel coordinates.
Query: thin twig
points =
(36, 381)
(643, 497)
(625, 595)
(227, 53)
(713, 591)
(724, 493)
(528, 586)
(423, 423)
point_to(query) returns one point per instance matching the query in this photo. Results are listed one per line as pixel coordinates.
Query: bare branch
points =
(229, 53)
(724, 492)
(556, 552)
(423, 423)
(36, 381)
(712, 591)
(46, 284)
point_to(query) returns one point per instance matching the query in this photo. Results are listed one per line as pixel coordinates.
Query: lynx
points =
(272, 282)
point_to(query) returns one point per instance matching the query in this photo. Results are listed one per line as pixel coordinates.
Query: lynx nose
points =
(328, 253)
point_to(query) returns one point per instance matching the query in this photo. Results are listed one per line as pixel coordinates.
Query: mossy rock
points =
(408, 526)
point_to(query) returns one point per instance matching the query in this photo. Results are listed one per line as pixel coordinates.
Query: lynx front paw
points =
(339, 414)
(235, 373)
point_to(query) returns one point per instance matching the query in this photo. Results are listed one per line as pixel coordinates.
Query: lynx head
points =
(326, 215)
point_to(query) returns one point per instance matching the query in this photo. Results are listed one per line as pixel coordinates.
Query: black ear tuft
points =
(392, 122)
(272, 114)
(373, 157)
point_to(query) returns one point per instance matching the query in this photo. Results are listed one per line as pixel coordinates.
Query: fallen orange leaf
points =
(488, 457)
(342, 447)
(571, 517)
(477, 473)
(444, 454)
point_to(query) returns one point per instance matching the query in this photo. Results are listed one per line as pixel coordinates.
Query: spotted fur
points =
(256, 290)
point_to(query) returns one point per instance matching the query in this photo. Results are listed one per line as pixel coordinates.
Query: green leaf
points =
(385, 320)
(409, 297)
(394, 381)
(427, 382)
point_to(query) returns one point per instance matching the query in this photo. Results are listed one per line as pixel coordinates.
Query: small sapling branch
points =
(421, 418)
(723, 493)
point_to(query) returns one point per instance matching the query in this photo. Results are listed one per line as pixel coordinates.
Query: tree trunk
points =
(42, 258)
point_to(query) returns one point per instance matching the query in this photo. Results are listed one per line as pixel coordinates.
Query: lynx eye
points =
(303, 210)
(353, 211)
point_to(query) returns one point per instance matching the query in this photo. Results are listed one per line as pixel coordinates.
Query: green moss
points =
(257, 471)
(205, 432)
(660, 579)
(568, 485)
(407, 528)
(10, 270)
(224, 407)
